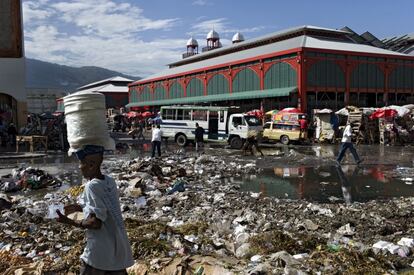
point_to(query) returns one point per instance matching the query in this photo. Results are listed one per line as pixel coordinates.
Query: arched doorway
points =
(8, 109)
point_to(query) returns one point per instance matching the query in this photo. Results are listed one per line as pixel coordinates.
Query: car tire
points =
(284, 140)
(236, 143)
(181, 140)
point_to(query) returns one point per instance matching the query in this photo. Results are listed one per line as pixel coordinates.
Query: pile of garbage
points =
(185, 215)
(27, 178)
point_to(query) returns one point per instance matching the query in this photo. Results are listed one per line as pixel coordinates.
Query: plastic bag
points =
(52, 211)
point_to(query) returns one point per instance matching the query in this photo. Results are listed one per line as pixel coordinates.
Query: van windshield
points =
(252, 120)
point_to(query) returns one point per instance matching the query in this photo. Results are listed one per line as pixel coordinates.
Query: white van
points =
(178, 123)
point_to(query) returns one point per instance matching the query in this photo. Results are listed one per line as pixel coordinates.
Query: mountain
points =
(40, 74)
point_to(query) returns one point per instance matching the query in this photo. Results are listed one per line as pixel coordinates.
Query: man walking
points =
(347, 144)
(199, 138)
(141, 130)
(156, 140)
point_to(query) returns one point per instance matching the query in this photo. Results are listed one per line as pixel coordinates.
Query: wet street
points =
(310, 173)
(295, 172)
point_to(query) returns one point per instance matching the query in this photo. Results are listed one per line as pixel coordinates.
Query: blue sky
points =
(140, 37)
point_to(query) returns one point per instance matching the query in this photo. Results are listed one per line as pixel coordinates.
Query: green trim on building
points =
(367, 75)
(402, 78)
(145, 94)
(176, 90)
(160, 92)
(246, 80)
(218, 84)
(279, 92)
(326, 73)
(280, 75)
(195, 87)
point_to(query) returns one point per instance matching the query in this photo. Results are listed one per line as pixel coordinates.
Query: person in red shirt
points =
(303, 126)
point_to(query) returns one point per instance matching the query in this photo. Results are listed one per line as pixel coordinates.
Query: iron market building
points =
(306, 67)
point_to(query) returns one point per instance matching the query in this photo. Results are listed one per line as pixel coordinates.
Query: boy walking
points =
(107, 248)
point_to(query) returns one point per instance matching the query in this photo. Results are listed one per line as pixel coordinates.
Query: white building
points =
(13, 105)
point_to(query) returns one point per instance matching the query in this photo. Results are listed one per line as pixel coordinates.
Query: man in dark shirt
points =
(199, 138)
(12, 131)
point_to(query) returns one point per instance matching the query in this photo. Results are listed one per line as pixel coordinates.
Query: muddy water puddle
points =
(346, 183)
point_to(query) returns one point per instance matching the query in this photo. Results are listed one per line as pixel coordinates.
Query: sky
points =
(140, 37)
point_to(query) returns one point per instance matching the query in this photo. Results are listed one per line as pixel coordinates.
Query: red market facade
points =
(319, 78)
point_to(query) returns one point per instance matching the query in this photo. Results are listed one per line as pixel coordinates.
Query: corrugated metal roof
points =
(320, 43)
(292, 43)
(220, 97)
(258, 40)
(108, 80)
(305, 41)
(108, 88)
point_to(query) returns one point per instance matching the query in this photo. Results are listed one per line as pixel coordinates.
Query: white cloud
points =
(98, 33)
(108, 18)
(221, 25)
(201, 3)
(33, 11)
(108, 33)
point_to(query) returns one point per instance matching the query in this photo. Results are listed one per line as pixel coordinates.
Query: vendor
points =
(107, 248)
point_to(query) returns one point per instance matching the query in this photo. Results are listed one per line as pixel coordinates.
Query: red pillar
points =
(302, 104)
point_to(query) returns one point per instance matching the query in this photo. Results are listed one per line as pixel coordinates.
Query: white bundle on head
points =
(86, 121)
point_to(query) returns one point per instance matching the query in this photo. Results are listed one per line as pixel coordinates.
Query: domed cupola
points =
(192, 48)
(192, 43)
(213, 35)
(237, 37)
(213, 41)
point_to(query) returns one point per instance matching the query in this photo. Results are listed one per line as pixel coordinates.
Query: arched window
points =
(160, 92)
(246, 80)
(367, 75)
(195, 87)
(176, 90)
(218, 84)
(280, 75)
(326, 73)
(146, 94)
(402, 78)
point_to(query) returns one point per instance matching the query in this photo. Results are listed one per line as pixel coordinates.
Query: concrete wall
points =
(12, 61)
(13, 77)
(40, 100)
(13, 83)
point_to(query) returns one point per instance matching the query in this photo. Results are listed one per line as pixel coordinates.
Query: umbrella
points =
(272, 112)
(133, 114)
(383, 113)
(146, 114)
(256, 113)
(291, 110)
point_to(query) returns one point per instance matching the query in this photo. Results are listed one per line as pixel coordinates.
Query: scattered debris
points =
(180, 209)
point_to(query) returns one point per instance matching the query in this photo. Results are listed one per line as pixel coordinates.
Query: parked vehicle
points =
(285, 133)
(220, 125)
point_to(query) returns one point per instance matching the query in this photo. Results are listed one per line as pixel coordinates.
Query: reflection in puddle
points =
(346, 183)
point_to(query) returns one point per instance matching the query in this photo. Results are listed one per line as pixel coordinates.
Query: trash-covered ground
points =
(185, 214)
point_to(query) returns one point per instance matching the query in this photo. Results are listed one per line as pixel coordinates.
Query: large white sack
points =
(86, 121)
(402, 111)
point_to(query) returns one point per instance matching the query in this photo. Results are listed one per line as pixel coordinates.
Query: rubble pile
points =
(27, 178)
(183, 214)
